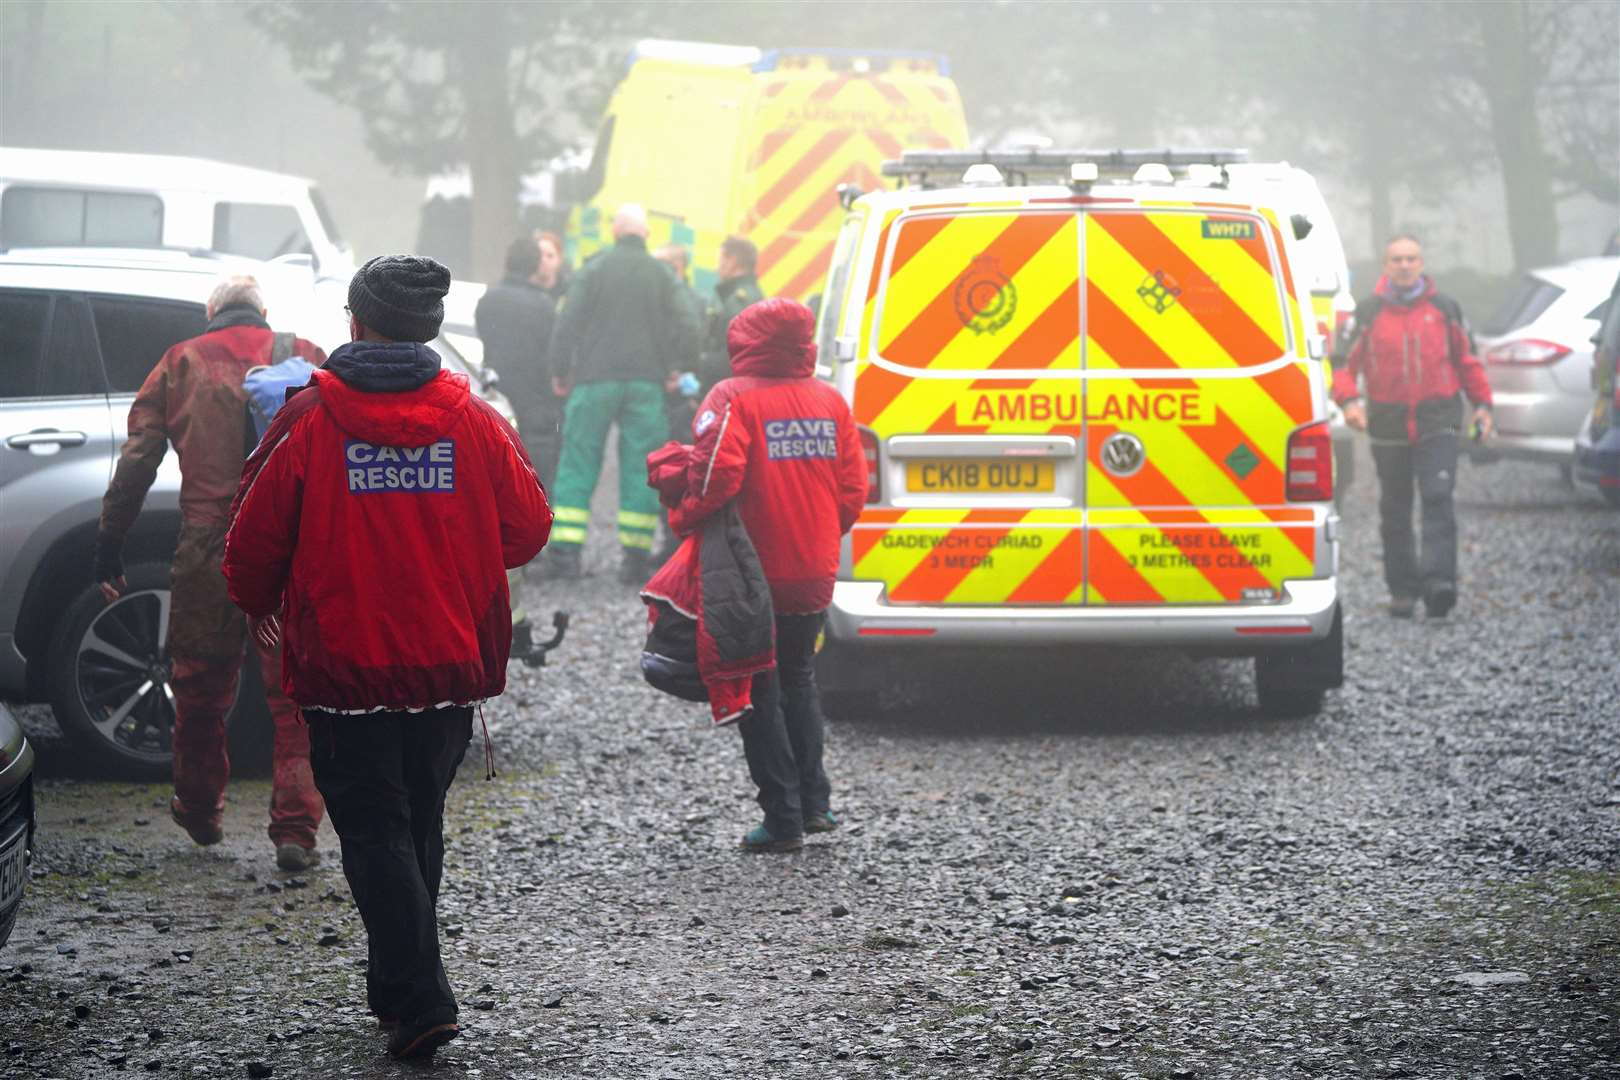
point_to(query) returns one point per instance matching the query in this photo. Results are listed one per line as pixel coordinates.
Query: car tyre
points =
(104, 658)
(1291, 683)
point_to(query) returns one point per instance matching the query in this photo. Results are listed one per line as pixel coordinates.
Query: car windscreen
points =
(69, 217)
(1524, 305)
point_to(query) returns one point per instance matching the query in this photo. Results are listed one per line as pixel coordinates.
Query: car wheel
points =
(8, 919)
(108, 676)
(1292, 682)
(1286, 702)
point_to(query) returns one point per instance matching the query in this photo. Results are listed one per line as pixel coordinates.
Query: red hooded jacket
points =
(1412, 352)
(380, 513)
(783, 444)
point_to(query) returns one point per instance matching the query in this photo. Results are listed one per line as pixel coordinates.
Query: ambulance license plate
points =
(13, 865)
(952, 475)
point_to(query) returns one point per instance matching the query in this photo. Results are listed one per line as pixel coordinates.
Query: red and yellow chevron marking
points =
(1204, 519)
(973, 556)
(1228, 556)
(822, 129)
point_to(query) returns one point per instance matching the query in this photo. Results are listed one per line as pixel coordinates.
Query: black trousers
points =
(783, 738)
(384, 778)
(1429, 469)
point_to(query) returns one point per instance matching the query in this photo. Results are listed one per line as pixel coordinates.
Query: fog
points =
(1406, 113)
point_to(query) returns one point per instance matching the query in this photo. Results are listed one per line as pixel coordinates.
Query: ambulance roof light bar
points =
(1077, 165)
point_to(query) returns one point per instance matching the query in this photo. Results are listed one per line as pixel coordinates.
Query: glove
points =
(109, 559)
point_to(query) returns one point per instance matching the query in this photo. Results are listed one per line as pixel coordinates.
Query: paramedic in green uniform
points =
(624, 336)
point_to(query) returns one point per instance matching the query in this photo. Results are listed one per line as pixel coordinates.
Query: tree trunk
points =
(493, 154)
(1509, 75)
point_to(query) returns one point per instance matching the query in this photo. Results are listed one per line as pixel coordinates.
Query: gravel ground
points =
(1120, 871)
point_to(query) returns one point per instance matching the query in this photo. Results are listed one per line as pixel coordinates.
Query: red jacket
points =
(380, 513)
(1412, 352)
(194, 399)
(783, 444)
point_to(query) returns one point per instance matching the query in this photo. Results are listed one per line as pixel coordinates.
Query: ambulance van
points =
(1094, 409)
(715, 140)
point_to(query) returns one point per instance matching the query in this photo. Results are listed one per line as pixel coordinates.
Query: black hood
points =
(384, 367)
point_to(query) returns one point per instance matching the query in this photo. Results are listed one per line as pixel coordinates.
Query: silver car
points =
(1538, 357)
(80, 330)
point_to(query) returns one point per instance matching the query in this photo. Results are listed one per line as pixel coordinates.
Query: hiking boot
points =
(1402, 607)
(759, 840)
(296, 857)
(826, 821)
(1439, 600)
(419, 1038)
(204, 829)
(561, 563)
(635, 567)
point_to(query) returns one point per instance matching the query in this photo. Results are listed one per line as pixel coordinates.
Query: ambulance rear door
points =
(822, 119)
(968, 376)
(1195, 383)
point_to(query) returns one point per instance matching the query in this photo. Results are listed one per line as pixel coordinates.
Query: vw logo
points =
(1122, 453)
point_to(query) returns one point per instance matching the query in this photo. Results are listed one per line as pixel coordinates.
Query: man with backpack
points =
(195, 399)
(1399, 380)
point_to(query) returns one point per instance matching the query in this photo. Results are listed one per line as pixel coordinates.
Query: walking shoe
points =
(635, 567)
(419, 1038)
(1402, 607)
(758, 840)
(296, 857)
(826, 821)
(205, 829)
(1439, 601)
(561, 562)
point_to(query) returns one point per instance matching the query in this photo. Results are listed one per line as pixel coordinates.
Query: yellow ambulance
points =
(715, 140)
(1093, 401)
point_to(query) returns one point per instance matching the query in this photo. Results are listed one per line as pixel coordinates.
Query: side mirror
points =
(1302, 226)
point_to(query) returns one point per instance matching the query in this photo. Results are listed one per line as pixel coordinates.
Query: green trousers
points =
(638, 409)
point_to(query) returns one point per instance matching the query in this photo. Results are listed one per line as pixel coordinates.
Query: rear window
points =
(259, 230)
(1003, 291)
(64, 217)
(1523, 306)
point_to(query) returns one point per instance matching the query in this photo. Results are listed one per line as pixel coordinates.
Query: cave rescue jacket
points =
(783, 444)
(379, 514)
(1413, 356)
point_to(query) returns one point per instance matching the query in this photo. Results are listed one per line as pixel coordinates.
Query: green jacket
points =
(624, 320)
(730, 297)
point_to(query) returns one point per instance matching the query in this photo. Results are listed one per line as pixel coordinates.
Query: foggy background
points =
(1489, 129)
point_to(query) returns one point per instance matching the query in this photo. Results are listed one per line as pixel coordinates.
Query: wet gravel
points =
(1096, 865)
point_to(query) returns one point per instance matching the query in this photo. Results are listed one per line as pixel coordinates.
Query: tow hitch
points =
(531, 652)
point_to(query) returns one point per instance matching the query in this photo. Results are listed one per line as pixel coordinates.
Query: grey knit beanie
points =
(400, 297)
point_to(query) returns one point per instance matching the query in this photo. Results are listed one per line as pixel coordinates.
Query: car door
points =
(56, 436)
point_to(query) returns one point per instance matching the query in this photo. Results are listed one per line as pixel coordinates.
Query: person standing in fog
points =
(515, 320)
(624, 336)
(373, 527)
(194, 399)
(554, 274)
(782, 444)
(1408, 362)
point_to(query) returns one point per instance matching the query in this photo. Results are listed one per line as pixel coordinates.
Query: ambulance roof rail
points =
(919, 164)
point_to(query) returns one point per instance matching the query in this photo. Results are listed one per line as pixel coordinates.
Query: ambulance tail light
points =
(1526, 352)
(1310, 464)
(874, 475)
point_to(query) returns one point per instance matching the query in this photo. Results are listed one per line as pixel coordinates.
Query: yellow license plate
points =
(1008, 475)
